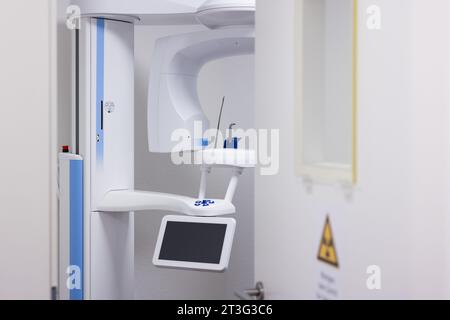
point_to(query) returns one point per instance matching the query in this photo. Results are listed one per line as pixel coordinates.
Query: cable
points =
(218, 123)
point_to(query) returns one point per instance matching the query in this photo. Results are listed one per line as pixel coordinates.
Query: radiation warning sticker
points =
(327, 250)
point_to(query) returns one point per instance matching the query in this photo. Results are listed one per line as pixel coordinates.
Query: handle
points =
(252, 294)
(101, 114)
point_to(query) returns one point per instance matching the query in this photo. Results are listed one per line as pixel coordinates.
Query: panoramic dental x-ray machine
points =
(97, 196)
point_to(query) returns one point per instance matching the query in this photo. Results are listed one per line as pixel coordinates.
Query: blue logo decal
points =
(204, 203)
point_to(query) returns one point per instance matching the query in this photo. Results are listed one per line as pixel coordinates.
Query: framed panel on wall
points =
(326, 90)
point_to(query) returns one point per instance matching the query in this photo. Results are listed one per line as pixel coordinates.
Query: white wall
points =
(396, 216)
(28, 148)
(233, 77)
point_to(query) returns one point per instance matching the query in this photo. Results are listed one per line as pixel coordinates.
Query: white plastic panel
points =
(107, 145)
(112, 256)
(112, 264)
(173, 102)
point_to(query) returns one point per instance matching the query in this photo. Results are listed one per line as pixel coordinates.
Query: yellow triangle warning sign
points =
(327, 250)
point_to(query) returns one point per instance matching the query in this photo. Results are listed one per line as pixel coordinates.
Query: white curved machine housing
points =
(173, 101)
(211, 13)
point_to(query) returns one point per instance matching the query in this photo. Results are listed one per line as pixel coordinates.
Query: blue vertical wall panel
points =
(76, 224)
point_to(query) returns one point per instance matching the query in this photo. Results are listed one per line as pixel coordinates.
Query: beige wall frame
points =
(325, 171)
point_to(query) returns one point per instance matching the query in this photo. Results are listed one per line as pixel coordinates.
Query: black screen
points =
(193, 242)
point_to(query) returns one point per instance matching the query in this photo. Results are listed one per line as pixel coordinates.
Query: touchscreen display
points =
(193, 242)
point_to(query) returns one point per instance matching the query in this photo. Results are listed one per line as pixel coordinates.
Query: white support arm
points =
(237, 172)
(173, 101)
(126, 201)
(202, 192)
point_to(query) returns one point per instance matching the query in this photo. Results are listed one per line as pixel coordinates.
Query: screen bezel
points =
(226, 248)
